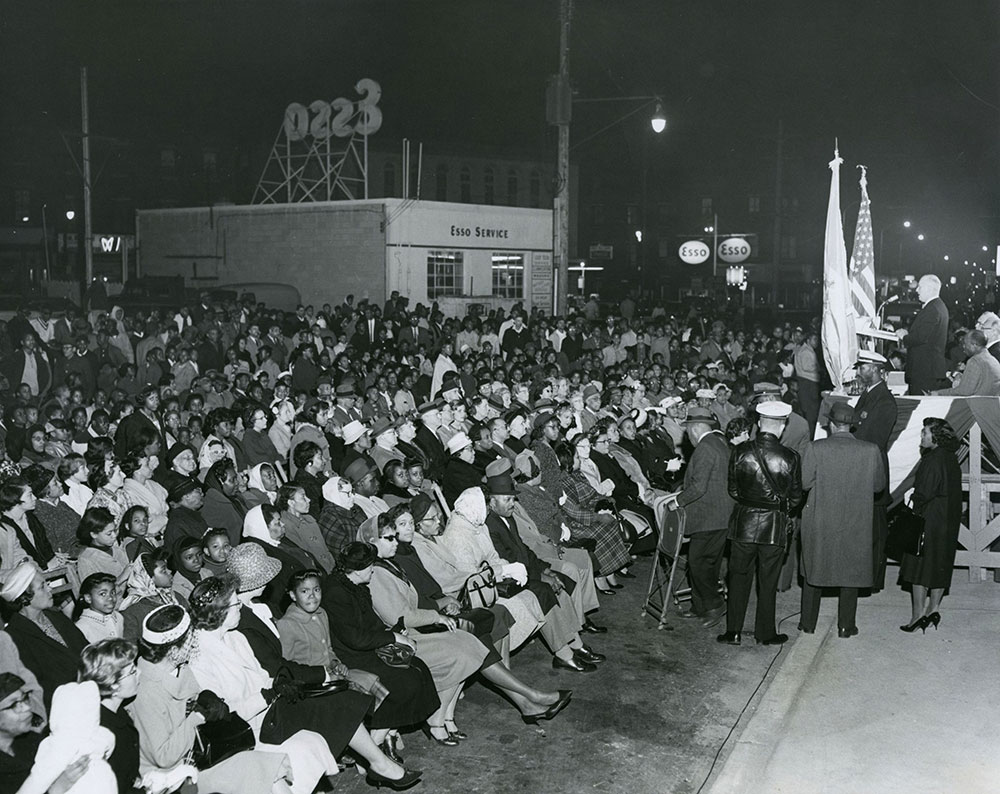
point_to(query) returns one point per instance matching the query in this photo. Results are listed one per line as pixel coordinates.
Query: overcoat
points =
(925, 344)
(843, 475)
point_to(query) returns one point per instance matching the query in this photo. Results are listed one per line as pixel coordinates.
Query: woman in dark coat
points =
(356, 631)
(47, 641)
(937, 498)
(223, 507)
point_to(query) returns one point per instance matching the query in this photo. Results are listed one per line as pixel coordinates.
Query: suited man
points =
(982, 372)
(926, 340)
(30, 365)
(426, 438)
(875, 417)
(414, 334)
(366, 333)
(842, 475)
(989, 324)
(706, 500)
(564, 616)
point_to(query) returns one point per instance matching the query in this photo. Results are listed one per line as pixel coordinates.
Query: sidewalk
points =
(881, 712)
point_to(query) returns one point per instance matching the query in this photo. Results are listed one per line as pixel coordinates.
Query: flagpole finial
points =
(864, 177)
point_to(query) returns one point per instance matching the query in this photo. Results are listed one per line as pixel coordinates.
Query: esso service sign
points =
(734, 250)
(694, 252)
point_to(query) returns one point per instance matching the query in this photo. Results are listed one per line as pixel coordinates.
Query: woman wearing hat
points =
(34, 448)
(139, 488)
(453, 655)
(150, 585)
(47, 641)
(170, 705)
(262, 485)
(234, 668)
(460, 472)
(265, 526)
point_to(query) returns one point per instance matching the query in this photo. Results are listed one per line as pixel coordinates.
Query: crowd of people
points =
(242, 549)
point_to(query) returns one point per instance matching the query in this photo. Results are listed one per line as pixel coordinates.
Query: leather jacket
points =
(762, 514)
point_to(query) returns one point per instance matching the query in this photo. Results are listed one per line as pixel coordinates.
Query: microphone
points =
(893, 299)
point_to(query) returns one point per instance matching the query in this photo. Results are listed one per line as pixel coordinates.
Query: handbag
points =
(395, 654)
(218, 740)
(905, 534)
(480, 590)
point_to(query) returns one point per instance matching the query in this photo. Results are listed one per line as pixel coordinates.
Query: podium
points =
(662, 580)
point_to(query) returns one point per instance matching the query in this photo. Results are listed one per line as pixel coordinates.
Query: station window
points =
(489, 186)
(465, 184)
(512, 187)
(445, 273)
(754, 204)
(508, 275)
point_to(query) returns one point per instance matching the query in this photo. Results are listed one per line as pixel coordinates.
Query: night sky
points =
(911, 89)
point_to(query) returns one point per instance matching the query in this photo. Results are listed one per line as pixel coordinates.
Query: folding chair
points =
(661, 579)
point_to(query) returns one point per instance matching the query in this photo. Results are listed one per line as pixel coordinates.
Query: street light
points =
(920, 237)
(659, 121)
(906, 224)
(70, 214)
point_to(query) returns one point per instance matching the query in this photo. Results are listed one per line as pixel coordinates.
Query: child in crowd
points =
(132, 532)
(150, 585)
(215, 547)
(102, 552)
(188, 566)
(97, 617)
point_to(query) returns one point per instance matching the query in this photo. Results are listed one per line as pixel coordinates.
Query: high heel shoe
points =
(409, 779)
(933, 619)
(454, 732)
(919, 623)
(391, 749)
(447, 741)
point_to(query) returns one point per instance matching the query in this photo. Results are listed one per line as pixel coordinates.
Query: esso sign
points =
(694, 252)
(340, 118)
(734, 250)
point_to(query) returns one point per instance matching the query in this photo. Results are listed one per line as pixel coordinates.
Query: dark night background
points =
(911, 89)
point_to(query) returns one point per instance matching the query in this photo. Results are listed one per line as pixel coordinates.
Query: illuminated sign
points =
(340, 118)
(734, 250)
(694, 252)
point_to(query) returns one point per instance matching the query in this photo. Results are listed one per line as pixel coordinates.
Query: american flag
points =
(862, 267)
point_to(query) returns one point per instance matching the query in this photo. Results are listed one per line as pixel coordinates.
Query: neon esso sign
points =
(340, 118)
(734, 250)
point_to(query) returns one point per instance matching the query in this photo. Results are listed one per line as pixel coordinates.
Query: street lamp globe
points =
(906, 224)
(659, 120)
(70, 214)
(920, 237)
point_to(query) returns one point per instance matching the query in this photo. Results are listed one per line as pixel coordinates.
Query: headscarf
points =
(255, 527)
(29, 452)
(140, 585)
(471, 505)
(368, 531)
(254, 481)
(333, 494)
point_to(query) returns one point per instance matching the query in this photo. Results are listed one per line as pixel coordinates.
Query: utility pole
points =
(776, 243)
(88, 249)
(561, 198)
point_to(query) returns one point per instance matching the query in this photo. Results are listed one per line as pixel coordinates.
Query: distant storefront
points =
(455, 254)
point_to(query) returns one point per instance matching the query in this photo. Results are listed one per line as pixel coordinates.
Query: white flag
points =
(840, 340)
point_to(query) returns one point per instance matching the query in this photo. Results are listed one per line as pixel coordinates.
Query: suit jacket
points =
(433, 450)
(925, 345)
(842, 475)
(14, 370)
(876, 413)
(981, 377)
(508, 543)
(415, 337)
(705, 497)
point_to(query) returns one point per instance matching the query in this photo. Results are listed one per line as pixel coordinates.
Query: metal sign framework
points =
(313, 170)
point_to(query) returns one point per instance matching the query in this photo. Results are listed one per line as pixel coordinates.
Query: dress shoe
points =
(804, 630)
(593, 628)
(617, 586)
(730, 638)
(391, 750)
(688, 614)
(625, 574)
(574, 664)
(409, 779)
(846, 633)
(551, 711)
(446, 741)
(602, 591)
(586, 655)
(777, 639)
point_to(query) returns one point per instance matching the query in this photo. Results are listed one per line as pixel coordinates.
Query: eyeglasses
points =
(390, 538)
(19, 703)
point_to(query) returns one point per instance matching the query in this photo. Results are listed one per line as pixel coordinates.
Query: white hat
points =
(353, 430)
(18, 581)
(670, 402)
(871, 357)
(458, 442)
(774, 409)
(707, 394)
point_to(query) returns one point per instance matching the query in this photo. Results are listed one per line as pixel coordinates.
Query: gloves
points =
(515, 571)
(562, 499)
(287, 690)
(607, 487)
(674, 464)
(565, 535)
(210, 706)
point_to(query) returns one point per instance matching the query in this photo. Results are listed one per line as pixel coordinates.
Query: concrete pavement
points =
(882, 712)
